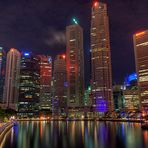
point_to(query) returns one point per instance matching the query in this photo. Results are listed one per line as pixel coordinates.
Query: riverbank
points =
(122, 120)
(4, 129)
(84, 119)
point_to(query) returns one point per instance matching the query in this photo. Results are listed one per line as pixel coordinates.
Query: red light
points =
(140, 33)
(95, 4)
(63, 56)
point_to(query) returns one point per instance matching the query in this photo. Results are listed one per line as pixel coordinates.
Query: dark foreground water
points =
(76, 135)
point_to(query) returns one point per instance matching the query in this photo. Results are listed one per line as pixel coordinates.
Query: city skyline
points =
(74, 73)
(118, 28)
(39, 86)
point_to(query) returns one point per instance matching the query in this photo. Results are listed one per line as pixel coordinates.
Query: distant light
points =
(132, 77)
(140, 33)
(26, 54)
(12, 49)
(63, 56)
(75, 21)
(96, 3)
(50, 60)
(82, 117)
(89, 88)
(66, 84)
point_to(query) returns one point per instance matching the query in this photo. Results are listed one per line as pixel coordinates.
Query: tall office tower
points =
(60, 85)
(45, 82)
(11, 86)
(2, 72)
(29, 87)
(141, 60)
(101, 59)
(75, 65)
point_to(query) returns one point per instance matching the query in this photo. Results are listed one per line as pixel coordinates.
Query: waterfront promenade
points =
(4, 128)
(83, 119)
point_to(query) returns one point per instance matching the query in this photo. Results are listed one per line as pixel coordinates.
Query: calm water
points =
(76, 135)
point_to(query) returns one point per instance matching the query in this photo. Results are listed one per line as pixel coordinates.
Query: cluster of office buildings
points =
(33, 84)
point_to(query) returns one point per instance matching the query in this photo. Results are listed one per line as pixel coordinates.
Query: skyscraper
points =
(60, 84)
(141, 60)
(29, 88)
(2, 72)
(45, 82)
(75, 64)
(11, 87)
(101, 59)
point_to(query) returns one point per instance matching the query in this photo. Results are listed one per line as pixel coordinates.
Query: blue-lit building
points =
(29, 88)
(130, 93)
(130, 80)
(2, 72)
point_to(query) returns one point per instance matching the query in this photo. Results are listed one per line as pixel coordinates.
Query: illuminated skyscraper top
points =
(101, 59)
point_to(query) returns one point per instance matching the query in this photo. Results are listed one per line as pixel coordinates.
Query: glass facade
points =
(75, 65)
(29, 88)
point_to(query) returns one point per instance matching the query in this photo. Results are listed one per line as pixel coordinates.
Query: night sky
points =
(39, 26)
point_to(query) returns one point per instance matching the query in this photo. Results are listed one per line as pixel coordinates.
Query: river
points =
(76, 134)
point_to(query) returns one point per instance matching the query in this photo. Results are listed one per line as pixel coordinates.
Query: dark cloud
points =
(55, 38)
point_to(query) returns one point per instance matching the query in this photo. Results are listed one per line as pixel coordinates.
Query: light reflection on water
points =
(81, 134)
